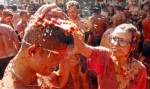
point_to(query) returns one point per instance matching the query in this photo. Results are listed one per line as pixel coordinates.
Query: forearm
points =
(60, 78)
(80, 46)
(85, 50)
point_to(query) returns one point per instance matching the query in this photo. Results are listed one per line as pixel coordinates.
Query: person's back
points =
(9, 46)
(119, 17)
(9, 43)
(133, 8)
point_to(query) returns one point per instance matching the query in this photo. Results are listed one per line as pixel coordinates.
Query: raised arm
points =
(51, 10)
(80, 46)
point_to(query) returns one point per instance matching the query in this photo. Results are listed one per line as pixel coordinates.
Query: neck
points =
(76, 19)
(23, 72)
(23, 21)
(122, 61)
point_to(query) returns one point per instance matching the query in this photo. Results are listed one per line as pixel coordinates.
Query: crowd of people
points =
(95, 46)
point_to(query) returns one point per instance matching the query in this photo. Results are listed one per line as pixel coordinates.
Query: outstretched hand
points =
(78, 40)
(51, 10)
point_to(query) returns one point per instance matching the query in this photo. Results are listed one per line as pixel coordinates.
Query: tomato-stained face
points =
(73, 12)
(120, 41)
(42, 60)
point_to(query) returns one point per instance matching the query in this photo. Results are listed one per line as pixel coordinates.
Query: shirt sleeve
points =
(98, 59)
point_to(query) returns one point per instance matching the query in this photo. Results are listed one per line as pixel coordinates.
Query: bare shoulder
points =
(5, 29)
(5, 26)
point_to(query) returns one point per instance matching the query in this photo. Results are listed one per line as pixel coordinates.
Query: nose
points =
(115, 43)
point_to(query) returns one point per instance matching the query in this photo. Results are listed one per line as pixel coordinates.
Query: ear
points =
(31, 50)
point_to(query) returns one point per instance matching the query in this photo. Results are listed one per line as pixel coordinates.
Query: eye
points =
(123, 42)
(112, 39)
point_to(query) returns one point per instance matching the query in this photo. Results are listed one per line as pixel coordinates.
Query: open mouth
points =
(114, 49)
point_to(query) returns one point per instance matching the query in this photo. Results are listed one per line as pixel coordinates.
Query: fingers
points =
(45, 9)
(39, 10)
(77, 35)
(48, 8)
(50, 11)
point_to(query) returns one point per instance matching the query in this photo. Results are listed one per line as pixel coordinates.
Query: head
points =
(124, 40)
(134, 2)
(97, 10)
(105, 38)
(43, 45)
(23, 15)
(1, 9)
(14, 7)
(117, 8)
(145, 7)
(7, 16)
(103, 6)
(72, 8)
(96, 22)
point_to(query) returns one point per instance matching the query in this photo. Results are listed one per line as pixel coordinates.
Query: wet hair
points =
(14, 7)
(131, 29)
(23, 12)
(103, 5)
(135, 39)
(145, 4)
(96, 9)
(116, 7)
(1, 7)
(72, 3)
(50, 37)
(7, 13)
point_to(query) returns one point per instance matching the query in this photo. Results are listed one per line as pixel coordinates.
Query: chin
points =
(116, 54)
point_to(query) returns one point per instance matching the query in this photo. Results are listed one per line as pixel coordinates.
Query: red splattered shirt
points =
(112, 76)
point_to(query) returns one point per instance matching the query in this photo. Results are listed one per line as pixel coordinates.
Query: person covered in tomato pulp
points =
(116, 68)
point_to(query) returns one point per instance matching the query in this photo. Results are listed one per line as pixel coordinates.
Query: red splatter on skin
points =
(46, 23)
(42, 23)
(40, 18)
(60, 75)
(72, 29)
(45, 68)
(52, 25)
(54, 21)
(67, 32)
(107, 35)
(62, 53)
